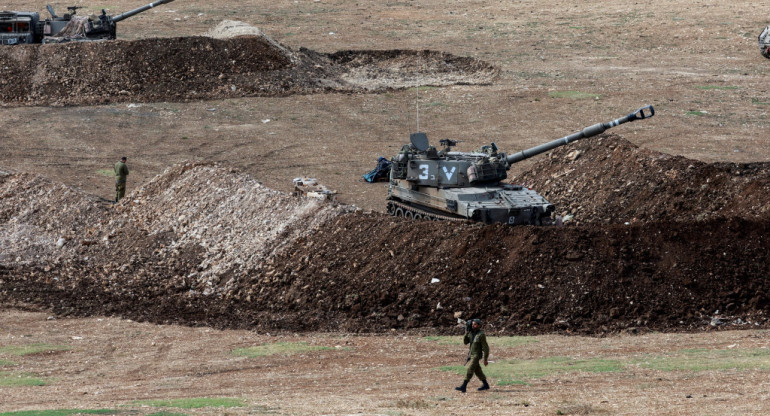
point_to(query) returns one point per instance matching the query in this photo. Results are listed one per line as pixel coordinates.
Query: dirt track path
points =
(113, 362)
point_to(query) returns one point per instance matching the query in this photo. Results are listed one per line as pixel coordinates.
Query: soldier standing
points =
(479, 350)
(121, 172)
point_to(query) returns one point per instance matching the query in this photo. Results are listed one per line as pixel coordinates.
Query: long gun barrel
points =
(598, 128)
(130, 13)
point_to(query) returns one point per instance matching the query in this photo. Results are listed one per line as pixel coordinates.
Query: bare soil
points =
(670, 214)
(112, 363)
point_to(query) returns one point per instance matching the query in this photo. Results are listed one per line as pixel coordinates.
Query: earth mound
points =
(227, 29)
(226, 221)
(234, 60)
(206, 245)
(612, 181)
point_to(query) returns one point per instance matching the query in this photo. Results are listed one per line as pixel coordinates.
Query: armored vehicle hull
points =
(504, 203)
(19, 28)
(426, 183)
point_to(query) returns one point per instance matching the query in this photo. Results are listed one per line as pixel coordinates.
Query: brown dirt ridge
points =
(612, 181)
(205, 68)
(680, 245)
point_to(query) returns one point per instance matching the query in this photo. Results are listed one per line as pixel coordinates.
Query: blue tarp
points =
(381, 172)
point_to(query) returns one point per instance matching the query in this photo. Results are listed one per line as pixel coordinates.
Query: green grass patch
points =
(105, 172)
(517, 371)
(18, 379)
(423, 88)
(757, 101)
(717, 87)
(20, 350)
(530, 75)
(4, 363)
(62, 412)
(502, 342)
(696, 113)
(510, 372)
(444, 340)
(510, 342)
(575, 95)
(710, 360)
(278, 348)
(194, 403)
(167, 414)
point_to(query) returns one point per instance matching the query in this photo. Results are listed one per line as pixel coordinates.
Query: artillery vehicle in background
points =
(426, 183)
(764, 42)
(26, 27)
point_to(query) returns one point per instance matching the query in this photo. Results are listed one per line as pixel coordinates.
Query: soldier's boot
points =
(484, 386)
(462, 388)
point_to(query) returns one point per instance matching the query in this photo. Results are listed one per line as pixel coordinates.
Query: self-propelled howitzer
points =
(27, 27)
(79, 28)
(426, 183)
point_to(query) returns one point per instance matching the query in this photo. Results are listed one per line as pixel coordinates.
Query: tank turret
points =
(431, 183)
(71, 27)
(26, 27)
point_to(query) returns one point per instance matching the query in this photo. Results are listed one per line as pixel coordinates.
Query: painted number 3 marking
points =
(424, 169)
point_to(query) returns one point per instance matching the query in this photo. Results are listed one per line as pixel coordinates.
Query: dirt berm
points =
(657, 243)
(214, 67)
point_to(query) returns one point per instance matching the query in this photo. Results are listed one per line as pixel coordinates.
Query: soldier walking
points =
(121, 172)
(479, 350)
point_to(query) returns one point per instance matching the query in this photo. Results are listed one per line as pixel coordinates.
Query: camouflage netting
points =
(74, 29)
(659, 242)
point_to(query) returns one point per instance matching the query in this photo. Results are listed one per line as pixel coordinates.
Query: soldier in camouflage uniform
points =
(121, 172)
(479, 350)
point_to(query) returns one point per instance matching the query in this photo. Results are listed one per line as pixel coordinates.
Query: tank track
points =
(410, 212)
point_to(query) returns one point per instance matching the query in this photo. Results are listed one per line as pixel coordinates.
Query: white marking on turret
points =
(448, 173)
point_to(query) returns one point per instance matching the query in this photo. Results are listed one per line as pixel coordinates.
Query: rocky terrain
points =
(655, 242)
